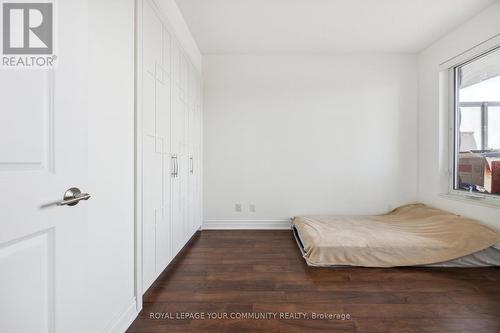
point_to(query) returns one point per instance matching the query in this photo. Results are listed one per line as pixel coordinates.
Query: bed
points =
(410, 235)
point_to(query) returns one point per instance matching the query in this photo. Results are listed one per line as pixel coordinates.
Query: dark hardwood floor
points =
(262, 272)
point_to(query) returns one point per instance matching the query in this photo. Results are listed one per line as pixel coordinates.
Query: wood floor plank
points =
(259, 272)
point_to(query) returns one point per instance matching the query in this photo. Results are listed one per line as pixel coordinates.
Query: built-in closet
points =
(169, 142)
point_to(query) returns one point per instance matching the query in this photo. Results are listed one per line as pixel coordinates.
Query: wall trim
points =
(123, 320)
(246, 225)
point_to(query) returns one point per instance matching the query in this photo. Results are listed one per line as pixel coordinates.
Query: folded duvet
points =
(407, 236)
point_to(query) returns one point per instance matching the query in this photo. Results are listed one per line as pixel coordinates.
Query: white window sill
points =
(474, 199)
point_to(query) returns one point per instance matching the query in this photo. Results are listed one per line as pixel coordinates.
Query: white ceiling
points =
(322, 26)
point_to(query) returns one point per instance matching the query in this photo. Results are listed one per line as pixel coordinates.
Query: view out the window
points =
(477, 125)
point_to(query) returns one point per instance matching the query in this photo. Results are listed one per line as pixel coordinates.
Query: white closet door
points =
(151, 158)
(197, 148)
(163, 240)
(178, 121)
(184, 159)
(189, 152)
(156, 85)
(199, 156)
(184, 180)
(177, 151)
(197, 160)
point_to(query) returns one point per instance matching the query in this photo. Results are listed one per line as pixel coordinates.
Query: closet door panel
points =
(178, 124)
(152, 207)
(151, 38)
(148, 105)
(177, 134)
(199, 164)
(198, 130)
(178, 121)
(163, 238)
(176, 213)
(183, 75)
(193, 170)
(156, 143)
(163, 229)
(167, 52)
(183, 177)
(162, 112)
(176, 63)
(151, 157)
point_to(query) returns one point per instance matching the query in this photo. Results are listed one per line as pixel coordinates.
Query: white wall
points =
(431, 140)
(309, 134)
(111, 166)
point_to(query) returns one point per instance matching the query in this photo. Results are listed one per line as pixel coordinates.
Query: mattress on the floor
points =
(484, 258)
(411, 235)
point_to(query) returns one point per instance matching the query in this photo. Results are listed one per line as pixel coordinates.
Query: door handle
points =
(73, 196)
(176, 166)
(174, 157)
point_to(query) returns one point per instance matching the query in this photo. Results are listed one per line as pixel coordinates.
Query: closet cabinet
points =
(169, 143)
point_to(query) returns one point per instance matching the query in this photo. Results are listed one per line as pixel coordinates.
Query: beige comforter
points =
(409, 235)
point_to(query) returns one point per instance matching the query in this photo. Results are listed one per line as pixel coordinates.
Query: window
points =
(477, 125)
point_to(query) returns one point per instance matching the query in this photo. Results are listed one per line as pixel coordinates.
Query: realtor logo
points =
(27, 29)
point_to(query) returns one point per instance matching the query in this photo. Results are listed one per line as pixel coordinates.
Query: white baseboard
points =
(246, 225)
(123, 320)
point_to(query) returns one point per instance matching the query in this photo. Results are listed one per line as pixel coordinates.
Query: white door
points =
(177, 150)
(198, 155)
(155, 145)
(43, 152)
(192, 151)
(163, 248)
(178, 179)
(151, 145)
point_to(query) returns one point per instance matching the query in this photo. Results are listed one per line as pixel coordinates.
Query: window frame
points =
(452, 67)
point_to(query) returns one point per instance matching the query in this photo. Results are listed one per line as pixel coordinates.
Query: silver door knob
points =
(73, 196)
